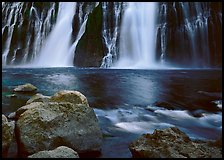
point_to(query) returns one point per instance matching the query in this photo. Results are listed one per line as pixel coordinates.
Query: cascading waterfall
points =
(56, 49)
(110, 38)
(186, 34)
(14, 9)
(137, 38)
(24, 30)
(197, 30)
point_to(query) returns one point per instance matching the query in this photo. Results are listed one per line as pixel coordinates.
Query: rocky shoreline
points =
(65, 126)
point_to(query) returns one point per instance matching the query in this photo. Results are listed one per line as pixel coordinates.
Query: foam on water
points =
(139, 120)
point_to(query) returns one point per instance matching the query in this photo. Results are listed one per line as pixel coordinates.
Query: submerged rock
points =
(217, 95)
(11, 96)
(25, 88)
(38, 98)
(7, 134)
(164, 105)
(59, 152)
(172, 143)
(45, 126)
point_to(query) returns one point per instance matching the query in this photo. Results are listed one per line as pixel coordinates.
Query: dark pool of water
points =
(123, 100)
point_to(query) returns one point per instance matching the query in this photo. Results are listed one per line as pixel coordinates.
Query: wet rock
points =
(25, 88)
(49, 125)
(7, 134)
(217, 95)
(171, 143)
(59, 152)
(218, 103)
(38, 98)
(159, 105)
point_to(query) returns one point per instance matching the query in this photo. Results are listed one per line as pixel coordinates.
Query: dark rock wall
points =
(89, 51)
(190, 33)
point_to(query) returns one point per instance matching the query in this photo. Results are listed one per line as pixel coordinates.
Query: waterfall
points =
(10, 22)
(129, 35)
(24, 29)
(110, 35)
(56, 47)
(137, 38)
(197, 32)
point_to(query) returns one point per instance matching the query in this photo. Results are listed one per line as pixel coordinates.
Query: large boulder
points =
(69, 96)
(172, 143)
(7, 134)
(25, 88)
(59, 152)
(49, 125)
(38, 98)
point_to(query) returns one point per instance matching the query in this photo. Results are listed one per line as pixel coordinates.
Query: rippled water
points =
(124, 100)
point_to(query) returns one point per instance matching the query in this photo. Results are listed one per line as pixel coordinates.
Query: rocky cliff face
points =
(190, 33)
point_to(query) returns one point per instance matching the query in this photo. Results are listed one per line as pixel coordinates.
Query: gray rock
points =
(7, 134)
(59, 152)
(12, 115)
(171, 143)
(25, 88)
(69, 96)
(26, 107)
(38, 98)
(49, 125)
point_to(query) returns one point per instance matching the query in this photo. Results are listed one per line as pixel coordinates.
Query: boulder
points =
(172, 143)
(26, 107)
(49, 125)
(38, 98)
(59, 152)
(69, 96)
(7, 134)
(25, 88)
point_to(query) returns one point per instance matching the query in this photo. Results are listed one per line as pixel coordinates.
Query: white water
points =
(137, 38)
(56, 49)
(110, 38)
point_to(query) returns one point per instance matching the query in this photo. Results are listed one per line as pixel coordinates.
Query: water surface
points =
(124, 100)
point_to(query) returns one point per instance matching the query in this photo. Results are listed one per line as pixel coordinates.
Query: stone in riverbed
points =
(74, 97)
(172, 143)
(38, 98)
(59, 152)
(52, 124)
(25, 88)
(7, 134)
(164, 105)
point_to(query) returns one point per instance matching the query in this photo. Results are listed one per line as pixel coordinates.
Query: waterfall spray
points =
(58, 43)
(137, 38)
